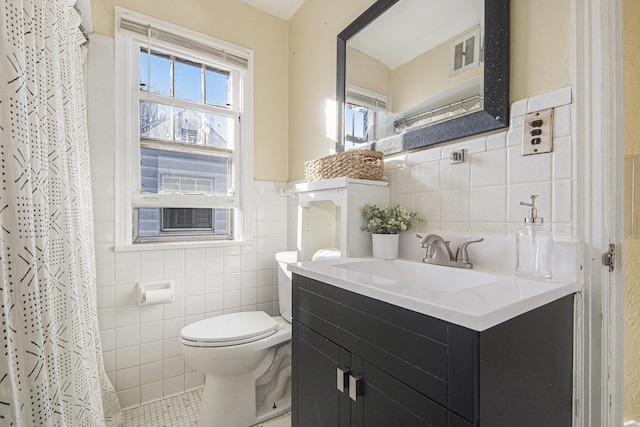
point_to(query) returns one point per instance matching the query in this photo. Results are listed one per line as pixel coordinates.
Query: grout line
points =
(180, 411)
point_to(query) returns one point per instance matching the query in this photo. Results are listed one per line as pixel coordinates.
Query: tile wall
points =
(140, 344)
(481, 195)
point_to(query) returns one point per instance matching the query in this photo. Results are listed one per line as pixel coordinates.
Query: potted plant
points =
(385, 224)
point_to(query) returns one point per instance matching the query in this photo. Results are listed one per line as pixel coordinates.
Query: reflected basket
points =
(358, 164)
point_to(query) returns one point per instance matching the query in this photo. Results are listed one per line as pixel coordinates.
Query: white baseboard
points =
(632, 423)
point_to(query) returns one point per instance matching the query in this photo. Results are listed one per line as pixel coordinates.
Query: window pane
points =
(149, 221)
(217, 84)
(219, 131)
(188, 185)
(170, 184)
(155, 121)
(187, 81)
(356, 123)
(176, 222)
(204, 186)
(144, 70)
(181, 170)
(160, 73)
(189, 126)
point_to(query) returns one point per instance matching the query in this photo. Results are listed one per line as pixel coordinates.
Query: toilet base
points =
(231, 402)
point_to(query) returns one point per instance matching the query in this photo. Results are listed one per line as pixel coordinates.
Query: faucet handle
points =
(462, 255)
(422, 245)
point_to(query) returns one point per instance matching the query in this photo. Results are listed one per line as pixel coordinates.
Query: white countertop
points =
(495, 298)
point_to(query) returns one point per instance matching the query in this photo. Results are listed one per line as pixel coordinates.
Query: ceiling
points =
(284, 9)
(412, 27)
(421, 28)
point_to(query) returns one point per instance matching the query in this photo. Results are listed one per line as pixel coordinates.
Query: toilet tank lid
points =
(230, 327)
(288, 257)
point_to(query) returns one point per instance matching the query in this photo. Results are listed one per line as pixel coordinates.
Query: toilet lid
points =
(235, 328)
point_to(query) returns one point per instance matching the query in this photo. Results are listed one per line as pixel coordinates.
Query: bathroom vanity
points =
(361, 357)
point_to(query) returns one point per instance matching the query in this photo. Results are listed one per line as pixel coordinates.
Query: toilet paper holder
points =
(155, 293)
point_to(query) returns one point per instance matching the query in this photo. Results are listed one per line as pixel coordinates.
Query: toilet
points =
(246, 359)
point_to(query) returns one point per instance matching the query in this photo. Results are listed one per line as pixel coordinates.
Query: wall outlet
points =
(538, 132)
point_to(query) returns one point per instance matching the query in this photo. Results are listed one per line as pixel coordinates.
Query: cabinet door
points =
(317, 400)
(385, 401)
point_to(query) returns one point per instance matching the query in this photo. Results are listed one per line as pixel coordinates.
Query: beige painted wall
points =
(540, 62)
(540, 46)
(632, 246)
(367, 72)
(312, 71)
(246, 26)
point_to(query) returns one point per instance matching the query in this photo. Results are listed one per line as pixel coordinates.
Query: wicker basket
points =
(359, 164)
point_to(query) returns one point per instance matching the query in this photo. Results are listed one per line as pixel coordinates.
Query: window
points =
(364, 116)
(184, 153)
(359, 123)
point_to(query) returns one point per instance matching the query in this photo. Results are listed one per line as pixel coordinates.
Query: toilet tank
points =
(284, 282)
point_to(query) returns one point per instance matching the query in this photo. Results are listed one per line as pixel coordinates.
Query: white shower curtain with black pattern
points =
(51, 366)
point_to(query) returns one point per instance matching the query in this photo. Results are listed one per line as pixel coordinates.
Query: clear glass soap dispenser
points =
(534, 245)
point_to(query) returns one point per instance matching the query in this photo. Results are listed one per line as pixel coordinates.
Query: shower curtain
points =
(51, 367)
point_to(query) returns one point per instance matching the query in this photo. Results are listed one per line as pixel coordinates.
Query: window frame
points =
(128, 195)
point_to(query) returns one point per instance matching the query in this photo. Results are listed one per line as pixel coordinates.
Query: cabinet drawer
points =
(412, 347)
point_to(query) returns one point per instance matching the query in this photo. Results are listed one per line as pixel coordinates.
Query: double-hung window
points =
(185, 136)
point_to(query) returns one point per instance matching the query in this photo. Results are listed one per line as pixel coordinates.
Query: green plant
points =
(388, 220)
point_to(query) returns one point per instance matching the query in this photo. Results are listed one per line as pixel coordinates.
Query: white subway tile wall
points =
(140, 344)
(481, 196)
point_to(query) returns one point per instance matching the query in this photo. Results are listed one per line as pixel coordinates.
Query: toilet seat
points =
(229, 329)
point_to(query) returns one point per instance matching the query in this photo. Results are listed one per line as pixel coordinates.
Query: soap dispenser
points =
(534, 245)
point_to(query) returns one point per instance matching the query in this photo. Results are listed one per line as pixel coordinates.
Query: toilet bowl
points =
(246, 359)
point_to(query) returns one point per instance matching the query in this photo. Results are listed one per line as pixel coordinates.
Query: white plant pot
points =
(385, 246)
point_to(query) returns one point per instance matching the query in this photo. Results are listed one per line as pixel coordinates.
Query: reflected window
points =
(359, 121)
(365, 115)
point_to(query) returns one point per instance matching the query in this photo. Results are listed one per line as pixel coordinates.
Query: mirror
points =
(413, 73)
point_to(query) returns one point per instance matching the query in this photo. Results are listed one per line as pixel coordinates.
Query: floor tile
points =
(180, 411)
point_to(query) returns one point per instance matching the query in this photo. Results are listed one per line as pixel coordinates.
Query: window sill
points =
(179, 245)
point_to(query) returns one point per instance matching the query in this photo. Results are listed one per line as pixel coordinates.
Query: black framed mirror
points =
(488, 109)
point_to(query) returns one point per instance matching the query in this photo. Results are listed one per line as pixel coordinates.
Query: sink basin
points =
(416, 276)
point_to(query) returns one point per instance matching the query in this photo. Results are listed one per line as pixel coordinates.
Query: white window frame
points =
(127, 156)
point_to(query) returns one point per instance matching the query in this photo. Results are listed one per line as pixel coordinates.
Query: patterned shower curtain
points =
(51, 367)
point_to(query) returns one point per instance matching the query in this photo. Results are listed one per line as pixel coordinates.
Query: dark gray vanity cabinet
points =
(358, 361)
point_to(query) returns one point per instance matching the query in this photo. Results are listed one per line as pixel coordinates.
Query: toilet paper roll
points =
(158, 296)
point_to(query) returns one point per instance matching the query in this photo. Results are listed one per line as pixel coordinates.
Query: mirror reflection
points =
(418, 64)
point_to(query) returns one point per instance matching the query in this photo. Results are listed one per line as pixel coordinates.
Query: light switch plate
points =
(537, 136)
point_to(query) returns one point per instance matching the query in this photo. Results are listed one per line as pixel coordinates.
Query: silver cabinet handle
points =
(341, 378)
(354, 387)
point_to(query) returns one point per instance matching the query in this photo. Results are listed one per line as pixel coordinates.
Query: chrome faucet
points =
(439, 252)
